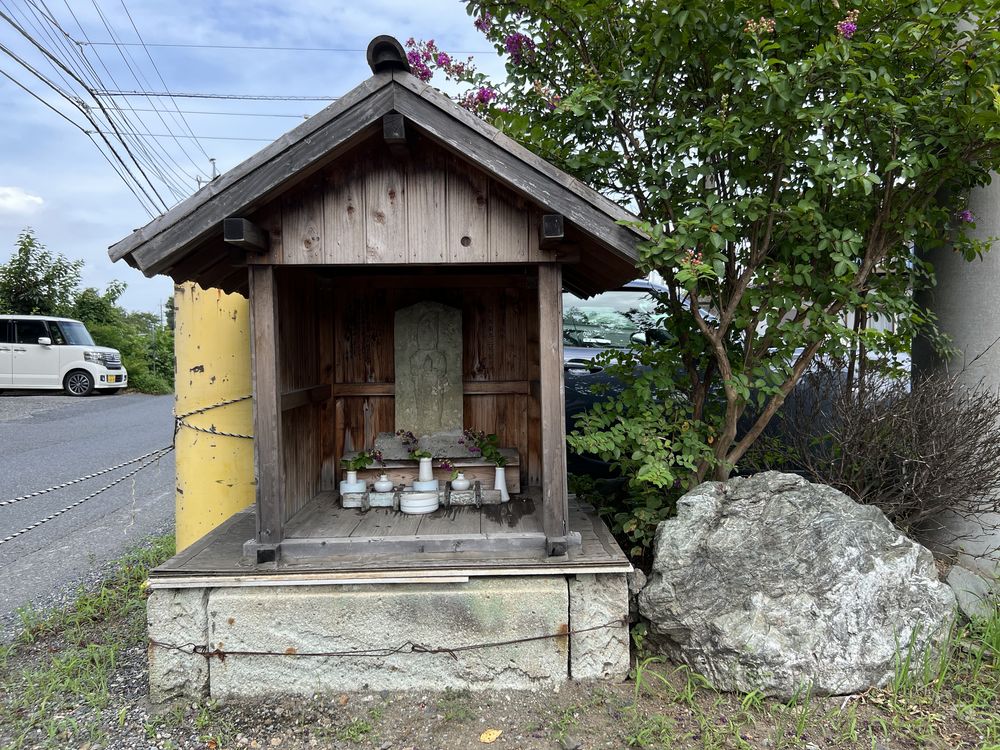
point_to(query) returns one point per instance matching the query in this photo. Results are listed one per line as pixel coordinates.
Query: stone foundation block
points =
(596, 600)
(177, 617)
(975, 594)
(284, 625)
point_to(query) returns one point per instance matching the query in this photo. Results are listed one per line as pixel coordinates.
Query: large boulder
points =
(773, 583)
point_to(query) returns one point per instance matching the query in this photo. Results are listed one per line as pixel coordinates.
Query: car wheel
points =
(78, 383)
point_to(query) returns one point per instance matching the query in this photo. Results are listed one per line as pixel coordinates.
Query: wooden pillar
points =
(554, 493)
(268, 455)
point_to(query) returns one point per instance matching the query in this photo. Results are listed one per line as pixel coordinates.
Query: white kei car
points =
(38, 351)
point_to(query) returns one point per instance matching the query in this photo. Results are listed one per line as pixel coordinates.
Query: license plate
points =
(112, 378)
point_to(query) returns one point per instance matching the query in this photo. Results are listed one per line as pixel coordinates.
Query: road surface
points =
(47, 439)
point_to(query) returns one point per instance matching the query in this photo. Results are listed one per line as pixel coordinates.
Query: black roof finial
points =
(386, 53)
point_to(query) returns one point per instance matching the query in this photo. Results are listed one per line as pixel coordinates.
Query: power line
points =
(160, 76)
(63, 41)
(233, 114)
(255, 97)
(159, 160)
(204, 137)
(77, 104)
(273, 48)
(85, 132)
(143, 83)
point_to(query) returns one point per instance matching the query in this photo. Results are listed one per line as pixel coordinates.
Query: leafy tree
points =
(784, 158)
(36, 282)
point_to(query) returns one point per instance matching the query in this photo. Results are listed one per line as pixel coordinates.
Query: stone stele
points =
(772, 583)
(428, 351)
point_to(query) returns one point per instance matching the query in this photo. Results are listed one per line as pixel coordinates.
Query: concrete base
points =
(309, 639)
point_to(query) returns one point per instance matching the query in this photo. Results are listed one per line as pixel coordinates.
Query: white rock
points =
(773, 583)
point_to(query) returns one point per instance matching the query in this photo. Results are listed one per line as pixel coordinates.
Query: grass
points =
(58, 689)
(949, 701)
(71, 654)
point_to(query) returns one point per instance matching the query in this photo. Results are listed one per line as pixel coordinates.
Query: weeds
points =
(73, 652)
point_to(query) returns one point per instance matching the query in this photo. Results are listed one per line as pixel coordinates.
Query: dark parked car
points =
(615, 319)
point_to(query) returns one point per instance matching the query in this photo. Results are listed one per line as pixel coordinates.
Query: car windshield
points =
(609, 320)
(76, 334)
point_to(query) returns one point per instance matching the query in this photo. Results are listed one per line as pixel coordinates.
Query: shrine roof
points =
(608, 242)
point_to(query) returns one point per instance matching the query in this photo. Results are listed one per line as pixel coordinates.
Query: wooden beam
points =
(555, 498)
(469, 388)
(245, 234)
(316, 394)
(268, 456)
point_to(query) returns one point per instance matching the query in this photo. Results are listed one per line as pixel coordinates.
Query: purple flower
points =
(484, 22)
(966, 216)
(519, 46)
(849, 25)
(443, 60)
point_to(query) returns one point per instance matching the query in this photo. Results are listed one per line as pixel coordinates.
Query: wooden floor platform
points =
(217, 558)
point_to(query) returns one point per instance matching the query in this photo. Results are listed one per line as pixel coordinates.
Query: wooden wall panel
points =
(299, 356)
(303, 228)
(385, 213)
(508, 226)
(344, 215)
(467, 215)
(423, 206)
(426, 199)
(498, 361)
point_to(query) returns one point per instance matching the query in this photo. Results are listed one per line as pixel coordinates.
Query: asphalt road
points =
(49, 438)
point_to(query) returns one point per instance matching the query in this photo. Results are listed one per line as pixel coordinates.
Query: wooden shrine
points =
(395, 197)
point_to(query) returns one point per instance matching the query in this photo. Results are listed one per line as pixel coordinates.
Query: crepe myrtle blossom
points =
(484, 22)
(519, 46)
(763, 25)
(849, 25)
(966, 216)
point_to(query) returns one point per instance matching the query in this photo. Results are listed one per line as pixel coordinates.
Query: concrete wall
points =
(966, 300)
(527, 633)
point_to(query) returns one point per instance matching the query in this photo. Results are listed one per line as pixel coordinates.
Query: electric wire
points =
(124, 179)
(31, 69)
(77, 61)
(195, 95)
(160, 76)
(156, 153)
(100, 105)
(140, 79)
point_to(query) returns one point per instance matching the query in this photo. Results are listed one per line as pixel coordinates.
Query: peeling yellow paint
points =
(212, 344)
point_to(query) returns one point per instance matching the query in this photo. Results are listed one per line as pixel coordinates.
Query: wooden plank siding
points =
(497, 358)
(374, 207)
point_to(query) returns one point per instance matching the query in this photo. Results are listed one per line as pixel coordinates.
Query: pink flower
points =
(443, 60)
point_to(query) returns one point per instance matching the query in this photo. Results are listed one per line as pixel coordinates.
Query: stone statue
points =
(428, 353)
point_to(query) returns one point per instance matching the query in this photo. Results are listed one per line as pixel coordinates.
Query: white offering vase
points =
(500, 483)
(460, 483)
(383, 484)
(426, 473)
(352, 477)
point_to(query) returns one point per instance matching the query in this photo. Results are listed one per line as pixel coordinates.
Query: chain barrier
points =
(156, 457)
(409, 647)
(77, 481)
(181, 420)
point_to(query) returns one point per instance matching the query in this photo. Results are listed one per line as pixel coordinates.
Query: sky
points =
(54, 180)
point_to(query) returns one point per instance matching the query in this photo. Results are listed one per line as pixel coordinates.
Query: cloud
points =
(17, 201)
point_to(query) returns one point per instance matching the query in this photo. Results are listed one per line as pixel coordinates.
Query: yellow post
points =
(212, 354)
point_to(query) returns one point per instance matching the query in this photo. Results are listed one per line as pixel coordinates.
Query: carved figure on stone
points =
(428, 349)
